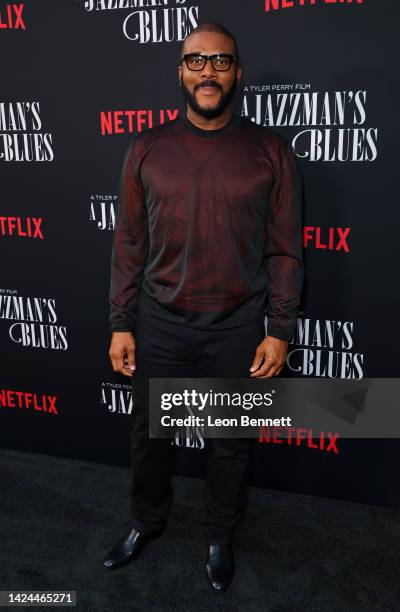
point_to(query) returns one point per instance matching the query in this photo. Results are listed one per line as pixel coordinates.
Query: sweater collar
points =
(229, 125)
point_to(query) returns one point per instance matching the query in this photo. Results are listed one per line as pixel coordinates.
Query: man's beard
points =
(210, 113)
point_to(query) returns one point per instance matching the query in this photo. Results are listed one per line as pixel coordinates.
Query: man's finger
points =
(117, 362)
(267, 365)
(272, 372)
(258, 357)
(127, 371)
(129, 360)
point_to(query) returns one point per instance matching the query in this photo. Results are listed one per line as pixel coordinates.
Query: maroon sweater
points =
(209, 227)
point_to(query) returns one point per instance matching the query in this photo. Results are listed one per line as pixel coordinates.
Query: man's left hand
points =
(273, 351)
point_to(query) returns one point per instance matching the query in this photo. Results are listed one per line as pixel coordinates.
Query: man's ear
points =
(180, 75)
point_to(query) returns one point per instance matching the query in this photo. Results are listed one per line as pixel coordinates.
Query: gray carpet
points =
(59, 517)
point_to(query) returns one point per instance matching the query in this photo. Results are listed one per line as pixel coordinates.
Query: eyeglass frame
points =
(233, 60)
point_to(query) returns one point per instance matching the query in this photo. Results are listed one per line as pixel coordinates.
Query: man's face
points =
(209, 91)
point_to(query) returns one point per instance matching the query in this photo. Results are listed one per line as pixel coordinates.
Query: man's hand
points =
(274, 352)
(122, 352)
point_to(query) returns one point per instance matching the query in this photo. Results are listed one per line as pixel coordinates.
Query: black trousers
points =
(168, 349)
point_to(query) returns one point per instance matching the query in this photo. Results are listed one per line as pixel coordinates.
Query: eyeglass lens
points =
(219, 62)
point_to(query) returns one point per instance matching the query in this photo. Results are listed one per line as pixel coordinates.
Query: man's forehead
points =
(208, 42)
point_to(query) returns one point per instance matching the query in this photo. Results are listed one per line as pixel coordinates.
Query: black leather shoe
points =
(127, 548)
(219, 565)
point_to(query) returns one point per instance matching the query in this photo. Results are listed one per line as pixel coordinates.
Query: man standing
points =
(208, 239)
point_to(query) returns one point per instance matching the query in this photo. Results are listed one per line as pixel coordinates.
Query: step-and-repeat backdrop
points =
(78, 80)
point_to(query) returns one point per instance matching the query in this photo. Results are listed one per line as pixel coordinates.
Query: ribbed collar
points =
(225, 129)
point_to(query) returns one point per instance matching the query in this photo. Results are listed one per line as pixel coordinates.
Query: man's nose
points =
(208, 68)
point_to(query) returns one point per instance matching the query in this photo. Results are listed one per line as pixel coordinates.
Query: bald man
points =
(207, 242)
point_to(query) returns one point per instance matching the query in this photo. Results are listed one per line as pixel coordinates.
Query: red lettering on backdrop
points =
(129, 121)
(275, 438)
(318, 242)
(332, 238)
(284, 4)
(14, 19)
(23, 399)
(342, 236)
(26, 227)
(300, 437)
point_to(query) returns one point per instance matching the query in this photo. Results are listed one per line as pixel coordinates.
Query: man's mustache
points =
(209, 84)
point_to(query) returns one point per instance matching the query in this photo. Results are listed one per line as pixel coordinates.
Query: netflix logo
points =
(11, 17)
(296, 436)
(276, 5)
(130, 121)
(331, 238)
(23, 400)
(22, 227)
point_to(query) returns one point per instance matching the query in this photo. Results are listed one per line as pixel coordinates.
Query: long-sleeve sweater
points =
(209, 227)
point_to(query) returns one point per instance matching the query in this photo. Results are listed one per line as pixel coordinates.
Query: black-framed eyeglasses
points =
(220, 61)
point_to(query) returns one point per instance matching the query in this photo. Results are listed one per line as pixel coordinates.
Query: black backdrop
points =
(322, 71)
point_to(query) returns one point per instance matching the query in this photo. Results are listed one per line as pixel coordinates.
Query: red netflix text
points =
(27, 227)
(284, 4)
(24, 401)
(325, 441)
(11, 17)
(331, 238)
(129, 121)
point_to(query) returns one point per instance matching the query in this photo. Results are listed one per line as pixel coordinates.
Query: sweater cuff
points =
(276, 331)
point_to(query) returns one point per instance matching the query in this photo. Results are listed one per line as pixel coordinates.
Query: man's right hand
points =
(122, 352)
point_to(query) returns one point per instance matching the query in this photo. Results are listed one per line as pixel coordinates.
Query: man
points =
(207, 240)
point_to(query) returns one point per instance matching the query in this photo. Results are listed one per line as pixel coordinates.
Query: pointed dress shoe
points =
(127, 548)
(219, 565)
